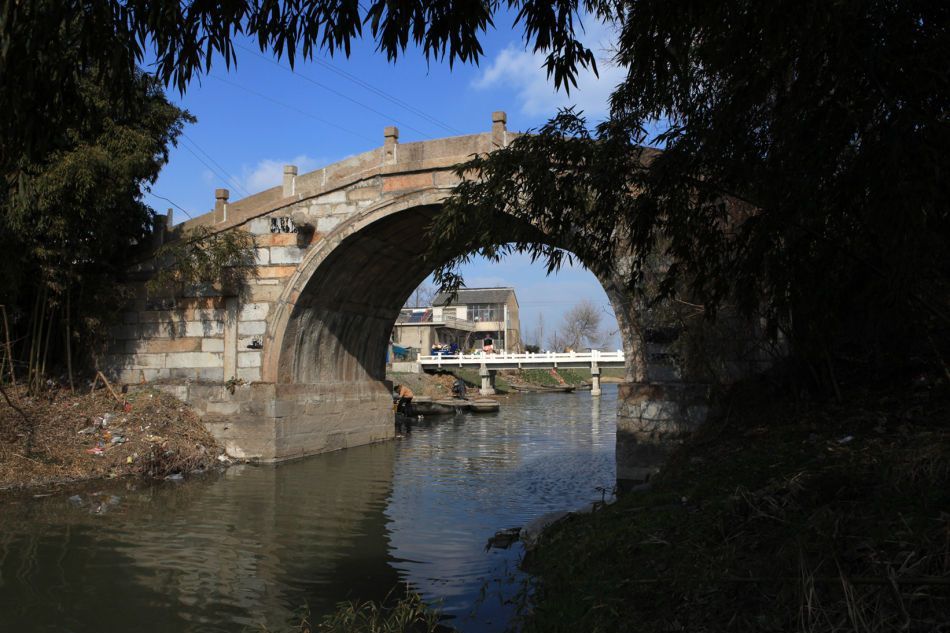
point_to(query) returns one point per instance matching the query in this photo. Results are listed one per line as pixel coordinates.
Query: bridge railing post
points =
(499, 129)
(391, 136)
(290, 180)
(221, 205)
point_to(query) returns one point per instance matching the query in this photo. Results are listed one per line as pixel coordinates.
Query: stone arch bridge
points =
(339, 250)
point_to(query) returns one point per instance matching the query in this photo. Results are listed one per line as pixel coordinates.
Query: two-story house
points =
(493, 313)
(476, 314)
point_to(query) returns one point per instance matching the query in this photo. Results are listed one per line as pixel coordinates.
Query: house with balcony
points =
(493, 313)
(466, 321)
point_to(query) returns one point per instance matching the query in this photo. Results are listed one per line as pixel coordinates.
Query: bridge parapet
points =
(380, 166)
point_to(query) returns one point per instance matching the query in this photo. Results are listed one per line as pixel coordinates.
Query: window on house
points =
(485, 312)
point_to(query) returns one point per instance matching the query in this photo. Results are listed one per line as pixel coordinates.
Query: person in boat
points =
(404, 405)
(458, 389)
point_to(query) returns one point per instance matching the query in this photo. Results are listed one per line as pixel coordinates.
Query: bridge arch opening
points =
(337, 314)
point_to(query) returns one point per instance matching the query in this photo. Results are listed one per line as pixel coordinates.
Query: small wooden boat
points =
(526, 388)
(424, 405)
(484, 405)
(456, 405)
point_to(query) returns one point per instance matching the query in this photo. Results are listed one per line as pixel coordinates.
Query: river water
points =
(254, 545)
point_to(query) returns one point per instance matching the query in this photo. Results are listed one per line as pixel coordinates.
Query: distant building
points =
(492, 311)
(474, 315)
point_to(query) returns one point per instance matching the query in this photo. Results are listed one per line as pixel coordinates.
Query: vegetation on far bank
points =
(782, 515)
(63, 436)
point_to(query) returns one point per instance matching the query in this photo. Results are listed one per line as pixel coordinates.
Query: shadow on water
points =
(247, 547)
(252, 546)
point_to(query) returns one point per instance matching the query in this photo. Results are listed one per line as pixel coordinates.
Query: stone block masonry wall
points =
(179, 340)
(268, 422)
(214, 338)
(210, 338)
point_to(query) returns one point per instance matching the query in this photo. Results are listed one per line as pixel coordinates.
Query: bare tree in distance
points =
(539, 331)
(421, 297)
(579, 329)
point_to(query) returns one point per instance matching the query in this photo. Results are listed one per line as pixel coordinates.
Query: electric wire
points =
(171, 202)
(366, 86)
(294, 108)
(338, 93)
(205, 163)
(234, 181)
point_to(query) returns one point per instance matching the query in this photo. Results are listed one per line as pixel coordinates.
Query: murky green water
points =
(255, 544)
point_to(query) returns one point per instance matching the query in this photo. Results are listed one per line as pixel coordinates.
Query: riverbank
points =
(63, 437)
(782, 515)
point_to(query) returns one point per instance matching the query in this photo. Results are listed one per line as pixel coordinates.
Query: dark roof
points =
(475, 295)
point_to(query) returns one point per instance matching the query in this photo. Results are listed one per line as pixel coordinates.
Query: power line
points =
(205, 163)
(294, 108)
(234, 181)
(366, 86)
(171, 202)
(338, 93)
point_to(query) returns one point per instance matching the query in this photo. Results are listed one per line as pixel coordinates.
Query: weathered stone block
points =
(211, 374)
(266, 291)
(267, 272)
(254, 312)
(223, 408)
(252, 328)
(249, 359)
(171, 345)
(212, 345)
(332, 197)
(204, 328)
(205, 314)
(249, 374)
(362, 194)
(261, 256)
(279, 239)
(327, 224)
(140, 361)
(258, 226)
(195, 359)
(407, 181)
(286, 254)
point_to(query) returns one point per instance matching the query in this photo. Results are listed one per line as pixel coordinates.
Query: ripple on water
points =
(252, 545)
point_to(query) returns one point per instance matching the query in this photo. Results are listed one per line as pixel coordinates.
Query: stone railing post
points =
(163, 225)
(499, 129)
(391, 136)
(221, 205)
(290, 180)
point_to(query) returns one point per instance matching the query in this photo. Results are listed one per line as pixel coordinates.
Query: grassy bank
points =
(439, 385)
(781, 516)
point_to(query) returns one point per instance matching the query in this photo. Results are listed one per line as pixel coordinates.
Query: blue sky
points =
(256, 117)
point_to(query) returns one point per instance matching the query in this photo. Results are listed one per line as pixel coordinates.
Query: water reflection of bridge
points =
(488, 364)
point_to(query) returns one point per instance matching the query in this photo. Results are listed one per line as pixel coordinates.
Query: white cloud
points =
(270, 172)
(524, 72)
